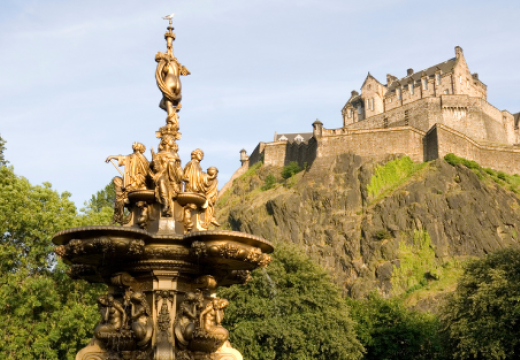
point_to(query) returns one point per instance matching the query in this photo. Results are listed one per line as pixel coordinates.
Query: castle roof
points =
(299, 137)
(445, 67)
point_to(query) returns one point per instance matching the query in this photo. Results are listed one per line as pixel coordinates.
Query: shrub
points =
(389, 331)
(269, 183)
(382, 234)
(291, 169)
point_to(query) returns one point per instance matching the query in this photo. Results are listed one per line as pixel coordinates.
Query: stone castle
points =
(424, 115)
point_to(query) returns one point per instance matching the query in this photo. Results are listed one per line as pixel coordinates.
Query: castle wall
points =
(505, 158)
(474, 117)
(420, 114)
(257, 153)
(274, 153)
(374, 144)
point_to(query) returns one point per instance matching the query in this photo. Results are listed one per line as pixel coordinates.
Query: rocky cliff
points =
(394, 226)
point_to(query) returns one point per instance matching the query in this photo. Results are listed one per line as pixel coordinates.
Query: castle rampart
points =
(425, 115)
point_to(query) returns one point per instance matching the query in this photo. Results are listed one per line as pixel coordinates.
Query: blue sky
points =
(77, 77)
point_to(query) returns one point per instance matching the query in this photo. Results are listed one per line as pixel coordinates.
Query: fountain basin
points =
(97, 252)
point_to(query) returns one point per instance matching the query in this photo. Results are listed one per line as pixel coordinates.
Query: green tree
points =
(3, 161)
(482, 317)
(44, 314)
(291, 310)
(102, 199)
(389, 330)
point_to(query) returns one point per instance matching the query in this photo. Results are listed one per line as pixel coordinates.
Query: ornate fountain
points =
(160, 260)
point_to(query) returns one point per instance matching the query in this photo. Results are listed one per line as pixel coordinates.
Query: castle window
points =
(410, 88)
(368, 104)
(460, 79)
(425, 84)
(446, 92)
(438, 77)
(371, 104)
(385, 122)
(399, 94)
(406, 118)
(359, 109)
(369, 87)
(349, 112)
(467, 83)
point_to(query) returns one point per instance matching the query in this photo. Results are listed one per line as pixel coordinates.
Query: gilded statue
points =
(141, 319)
(211, 191)
(168, 74)
(194, 177)
(187, 318)
(211, 318)
(112, 316)
(137, 170)
(168, 174)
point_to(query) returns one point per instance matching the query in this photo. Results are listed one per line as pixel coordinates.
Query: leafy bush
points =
(269, 183)
(382, 234)
(291, 310)
(390, 331)
(291, 169)
(481, 317)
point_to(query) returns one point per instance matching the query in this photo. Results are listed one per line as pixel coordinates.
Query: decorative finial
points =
(169, 17)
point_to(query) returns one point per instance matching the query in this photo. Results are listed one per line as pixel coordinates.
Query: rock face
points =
(362, 238)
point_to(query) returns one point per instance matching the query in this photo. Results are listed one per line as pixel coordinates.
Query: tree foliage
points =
(389, 331)
(102, 199)
(44, 314)
(3, 161)
(291, 310)
(482, 317)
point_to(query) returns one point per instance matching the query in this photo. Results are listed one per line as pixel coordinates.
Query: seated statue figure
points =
(137, 169)
(112, 316)
(141, 316)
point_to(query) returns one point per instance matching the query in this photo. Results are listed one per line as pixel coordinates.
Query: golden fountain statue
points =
(161, 262)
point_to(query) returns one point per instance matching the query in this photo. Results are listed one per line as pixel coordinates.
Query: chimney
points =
(458, 52)
(390, 79)
(409, 72)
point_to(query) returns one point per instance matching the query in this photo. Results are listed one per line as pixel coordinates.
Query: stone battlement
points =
(424, 115)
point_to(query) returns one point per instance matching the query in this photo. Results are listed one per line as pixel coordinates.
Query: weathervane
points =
(169, 17)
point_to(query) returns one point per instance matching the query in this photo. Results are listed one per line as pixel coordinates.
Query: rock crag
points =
(407, 232)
